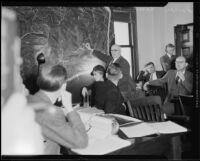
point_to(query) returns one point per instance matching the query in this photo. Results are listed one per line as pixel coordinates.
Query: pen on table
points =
(130, 124)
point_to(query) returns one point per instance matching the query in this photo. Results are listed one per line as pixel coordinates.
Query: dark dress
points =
(107, 96)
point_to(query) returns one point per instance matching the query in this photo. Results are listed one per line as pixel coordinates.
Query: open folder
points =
(137, 128)
(144, 129)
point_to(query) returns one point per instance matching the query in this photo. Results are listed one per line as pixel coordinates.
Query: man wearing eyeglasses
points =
(179, 81)
(114, 58)
(126, 85)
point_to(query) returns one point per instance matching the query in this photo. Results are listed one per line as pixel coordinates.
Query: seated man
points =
(105, 94)
(56, 130)
(149, 73)
(179, 81)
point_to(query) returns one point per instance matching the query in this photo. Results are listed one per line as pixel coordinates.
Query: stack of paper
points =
(167, 127)
(138, 130)
(124, 120)
(98, 125)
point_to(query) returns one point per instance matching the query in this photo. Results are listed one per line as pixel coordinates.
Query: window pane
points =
(121, 33)
(126, 53)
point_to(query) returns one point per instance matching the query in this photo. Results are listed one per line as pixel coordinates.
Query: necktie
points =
(151, 77)
(177, 79)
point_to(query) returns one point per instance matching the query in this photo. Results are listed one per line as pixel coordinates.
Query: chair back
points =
(161, 91)
(147, 109)
(183, 110)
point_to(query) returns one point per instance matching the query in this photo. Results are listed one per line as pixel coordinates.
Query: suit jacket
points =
(107, 96)
(56, 130)
(108, 60)
(145, 78)
(167, 63)
(175, 88)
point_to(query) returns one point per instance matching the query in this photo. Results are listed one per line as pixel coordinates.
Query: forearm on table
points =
(70, 134)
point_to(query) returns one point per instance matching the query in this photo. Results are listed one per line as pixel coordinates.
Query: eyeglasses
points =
(114, 50)
(179, 61)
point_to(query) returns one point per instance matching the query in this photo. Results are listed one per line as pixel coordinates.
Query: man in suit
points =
(114, 58)
(126, 85)
(167, 61)
(149, 73)
(179, 81)
(105, 93)
(56, 130)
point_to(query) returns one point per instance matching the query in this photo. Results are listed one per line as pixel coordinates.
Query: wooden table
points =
(155, 146)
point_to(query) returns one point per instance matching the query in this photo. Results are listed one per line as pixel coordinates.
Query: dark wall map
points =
(59, 33)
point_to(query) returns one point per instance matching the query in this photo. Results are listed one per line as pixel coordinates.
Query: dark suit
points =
(107, 96)
(126, 85)
(167, 63)
(175, 88)
(125, 67)
(55, 129)
(146, 78)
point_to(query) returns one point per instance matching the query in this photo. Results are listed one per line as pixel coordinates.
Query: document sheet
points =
(103, 146)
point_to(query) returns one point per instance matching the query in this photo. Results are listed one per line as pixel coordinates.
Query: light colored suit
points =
(175, 88)
(56, 130)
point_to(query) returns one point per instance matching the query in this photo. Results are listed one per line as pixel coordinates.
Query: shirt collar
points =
(182, 72)
(169, 55)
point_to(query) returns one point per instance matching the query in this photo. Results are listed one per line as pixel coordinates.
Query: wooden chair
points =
(183, 110)
(146, 109)
(161, 91)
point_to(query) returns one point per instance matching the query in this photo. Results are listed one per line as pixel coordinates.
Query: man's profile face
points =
(170, 50)
(115, 51)
(181, 63)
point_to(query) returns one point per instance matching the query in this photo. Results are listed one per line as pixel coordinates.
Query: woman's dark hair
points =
(100, 69)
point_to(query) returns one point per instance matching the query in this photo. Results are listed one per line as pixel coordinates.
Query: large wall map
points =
(59, 33)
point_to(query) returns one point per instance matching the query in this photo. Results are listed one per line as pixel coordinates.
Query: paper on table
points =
(103, 146)
(138, 130)
(90, 110)
(167, 127)
(123, 120)
(99, 126)
(126, 117)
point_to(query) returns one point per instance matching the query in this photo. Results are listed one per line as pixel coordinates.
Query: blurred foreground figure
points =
(60, 126)
(21, 135)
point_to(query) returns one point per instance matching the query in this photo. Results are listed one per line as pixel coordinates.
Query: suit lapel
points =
(118, 60)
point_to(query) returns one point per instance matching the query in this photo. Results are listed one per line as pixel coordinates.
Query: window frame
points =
(128, 15)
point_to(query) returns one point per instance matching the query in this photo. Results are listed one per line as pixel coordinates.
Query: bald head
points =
(181, 63)
(115, 51)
